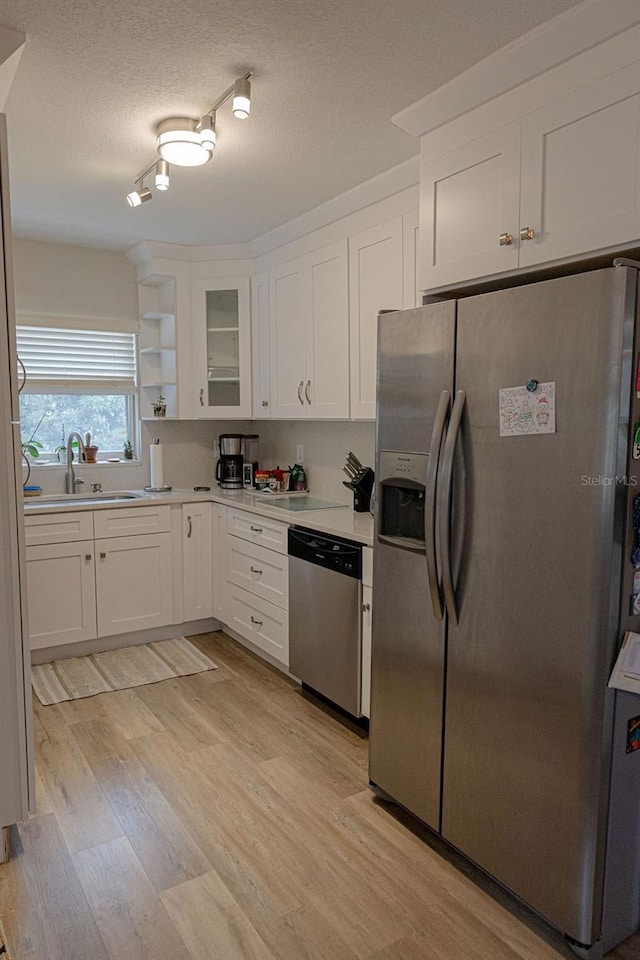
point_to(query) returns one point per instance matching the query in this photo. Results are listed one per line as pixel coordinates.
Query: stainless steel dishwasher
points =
(325, 596)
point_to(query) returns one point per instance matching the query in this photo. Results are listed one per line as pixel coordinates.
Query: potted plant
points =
(128, 450)
(160, 406)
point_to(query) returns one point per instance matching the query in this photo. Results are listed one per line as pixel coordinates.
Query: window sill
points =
(52, 464)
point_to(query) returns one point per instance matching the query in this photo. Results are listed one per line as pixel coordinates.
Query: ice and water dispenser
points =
(401, 498)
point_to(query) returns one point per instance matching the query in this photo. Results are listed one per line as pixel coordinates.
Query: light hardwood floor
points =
(225, 817)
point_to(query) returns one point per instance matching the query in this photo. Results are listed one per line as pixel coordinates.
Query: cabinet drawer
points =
(250, 526)
(130, 521)
(264, 624)
(262, 572)
(58, 527)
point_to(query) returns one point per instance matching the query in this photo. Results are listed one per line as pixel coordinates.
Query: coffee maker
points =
(229, 466)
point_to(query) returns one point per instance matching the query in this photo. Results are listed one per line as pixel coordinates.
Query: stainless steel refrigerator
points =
(503, 582)
(16, 779)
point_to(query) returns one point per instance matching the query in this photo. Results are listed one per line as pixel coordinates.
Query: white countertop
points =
(341, 521)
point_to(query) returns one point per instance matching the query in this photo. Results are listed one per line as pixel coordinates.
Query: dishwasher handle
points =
(324, 550)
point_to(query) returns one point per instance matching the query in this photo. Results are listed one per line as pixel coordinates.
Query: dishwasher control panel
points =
(330, 552)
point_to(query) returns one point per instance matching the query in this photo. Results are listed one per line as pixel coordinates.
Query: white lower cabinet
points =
(262, 572)
(61, 593)
(133, 583)
(219, 576)
(367, 603)
(197, 561)
(263, 623)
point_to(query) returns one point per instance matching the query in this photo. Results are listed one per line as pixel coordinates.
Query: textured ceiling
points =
(96, 76)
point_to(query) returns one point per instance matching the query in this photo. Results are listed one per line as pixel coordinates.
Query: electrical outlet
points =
(300, 453)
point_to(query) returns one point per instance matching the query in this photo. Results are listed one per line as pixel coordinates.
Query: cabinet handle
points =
(258, 623)
(255, 570)
(87, 556)
(256, 529)
(202, 396)
(366, 607)
(506, 239)
(265, 403)
(527, 233)
(103, 556)
(190, 527)
(300, 386)
(306, 391)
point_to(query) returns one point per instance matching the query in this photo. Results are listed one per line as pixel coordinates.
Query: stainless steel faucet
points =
(70, 480)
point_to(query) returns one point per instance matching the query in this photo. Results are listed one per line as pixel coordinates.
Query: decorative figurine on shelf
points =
(160, 406)
(128, 450)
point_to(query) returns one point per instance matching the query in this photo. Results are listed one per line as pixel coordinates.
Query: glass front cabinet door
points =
(222, 347)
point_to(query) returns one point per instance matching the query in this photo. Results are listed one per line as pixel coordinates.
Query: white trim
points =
(552, 43)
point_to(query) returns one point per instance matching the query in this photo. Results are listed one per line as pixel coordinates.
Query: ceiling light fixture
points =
(190, 143)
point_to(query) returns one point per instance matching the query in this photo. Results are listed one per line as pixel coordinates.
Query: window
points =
(82, 380)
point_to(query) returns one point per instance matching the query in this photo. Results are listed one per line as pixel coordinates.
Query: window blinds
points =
(77, 361)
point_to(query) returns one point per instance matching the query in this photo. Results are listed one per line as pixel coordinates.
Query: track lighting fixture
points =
(190, 143)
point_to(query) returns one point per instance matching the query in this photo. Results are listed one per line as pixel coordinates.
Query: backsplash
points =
(189, 454)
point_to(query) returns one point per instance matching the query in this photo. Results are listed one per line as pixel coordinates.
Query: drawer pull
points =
(256, 529)
(258, 623)
(255, 570)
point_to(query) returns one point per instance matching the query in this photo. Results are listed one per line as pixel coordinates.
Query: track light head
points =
(241, 99)
(162, 175)
(137, 197)
(207, 129)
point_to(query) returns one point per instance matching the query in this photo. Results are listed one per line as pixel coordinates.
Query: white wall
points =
(64, 281)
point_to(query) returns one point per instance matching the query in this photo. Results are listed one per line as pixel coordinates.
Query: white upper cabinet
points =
(309, 336)
(288, 320)
(260, 357)
(581, 170)
(221, 323)
(469, 209)
(560, 182)
(375, 284)
(326, 387)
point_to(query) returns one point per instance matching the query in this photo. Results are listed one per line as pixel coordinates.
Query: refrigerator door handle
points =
(437, 434)
(443, 508)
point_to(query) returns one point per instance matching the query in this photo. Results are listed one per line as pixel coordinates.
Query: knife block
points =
(361, 485)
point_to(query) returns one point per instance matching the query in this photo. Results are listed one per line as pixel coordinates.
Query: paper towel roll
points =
(155, 463)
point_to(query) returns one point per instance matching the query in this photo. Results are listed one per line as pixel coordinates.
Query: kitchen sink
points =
(84, 498)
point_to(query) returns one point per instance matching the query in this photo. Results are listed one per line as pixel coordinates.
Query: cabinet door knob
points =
(366, 607)
(258, 623)
(265, 403)
(103, 556)
(202, 397)
(87, 556)
(190, 527)
(527, 233)
(506, 239)
(300, 386)
(306, 391)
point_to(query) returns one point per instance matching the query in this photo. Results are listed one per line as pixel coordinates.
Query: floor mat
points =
(79, 677)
